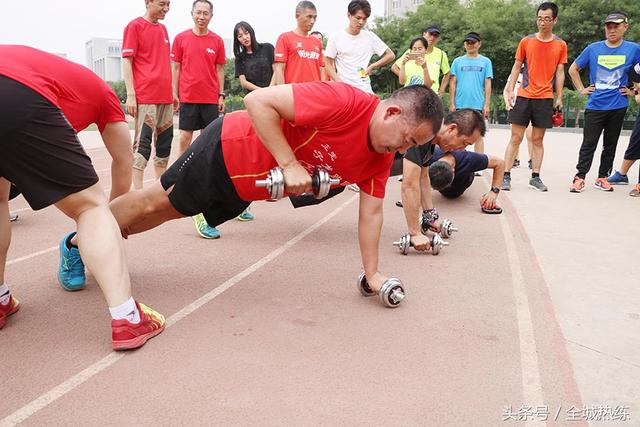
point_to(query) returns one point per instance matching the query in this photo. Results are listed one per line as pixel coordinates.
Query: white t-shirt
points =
(352, 55)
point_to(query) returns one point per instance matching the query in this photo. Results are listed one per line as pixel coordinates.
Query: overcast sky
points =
(63, 26)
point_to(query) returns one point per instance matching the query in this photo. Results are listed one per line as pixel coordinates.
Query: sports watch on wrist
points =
(223, 95)
(495, 190)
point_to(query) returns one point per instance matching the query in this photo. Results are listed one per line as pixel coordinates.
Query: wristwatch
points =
(223, 95)
(495, 190)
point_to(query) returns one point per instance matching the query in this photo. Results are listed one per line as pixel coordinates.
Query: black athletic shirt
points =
(467, 162)
(256, 67)
(420, 155)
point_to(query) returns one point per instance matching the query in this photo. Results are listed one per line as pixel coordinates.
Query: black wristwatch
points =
(223, 95)
(495, 190)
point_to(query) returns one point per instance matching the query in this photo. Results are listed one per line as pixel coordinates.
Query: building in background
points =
(104, 57)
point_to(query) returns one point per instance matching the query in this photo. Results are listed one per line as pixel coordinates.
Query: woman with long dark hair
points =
(254, 61)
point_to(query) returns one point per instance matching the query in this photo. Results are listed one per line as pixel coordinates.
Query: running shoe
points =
(603, 184)
(618, 179)
(71, 270)
(635, 192)
(353, 187)
(246, 216)
(126, 335)
(506, 183)
(516, 163)
(530, 164)
(537, 184)
(7, 310)
(577, 186)
(205, 230)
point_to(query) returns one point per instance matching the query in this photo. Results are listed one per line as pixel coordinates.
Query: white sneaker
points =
(353, 187)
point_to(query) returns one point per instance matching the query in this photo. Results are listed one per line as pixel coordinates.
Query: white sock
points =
(126, 310)
(5, 295)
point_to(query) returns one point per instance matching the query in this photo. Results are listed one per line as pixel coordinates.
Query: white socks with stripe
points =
(5, 295)
(127, 310)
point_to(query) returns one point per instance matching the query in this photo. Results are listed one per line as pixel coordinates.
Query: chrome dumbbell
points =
(391, 293)
(447, 229)
(405, 243)
(321, 183)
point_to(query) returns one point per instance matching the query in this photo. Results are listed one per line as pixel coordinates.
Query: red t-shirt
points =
(302, 55)
(198, 57)
(541, 60)
(147, 45)
(332, 135)
(83, 97)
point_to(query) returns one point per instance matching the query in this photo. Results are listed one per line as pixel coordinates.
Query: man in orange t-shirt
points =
(543, 55)
(298, 55)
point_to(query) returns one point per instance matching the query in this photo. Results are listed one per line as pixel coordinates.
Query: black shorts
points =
(536, 111)
(458, 186)
(633, 150)
(39, 150)
(201, 183)
(196, 116)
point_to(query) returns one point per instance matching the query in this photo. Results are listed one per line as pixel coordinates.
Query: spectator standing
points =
(198, 59)
(413, 67)
(349, 51)
(437, 60)
(298, 55)
(254, 61)
(544, 55)
(146, 67)
(609, 62)
(470, 83)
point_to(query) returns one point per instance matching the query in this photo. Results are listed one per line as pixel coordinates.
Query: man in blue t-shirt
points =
(609, 62)
(470, 84)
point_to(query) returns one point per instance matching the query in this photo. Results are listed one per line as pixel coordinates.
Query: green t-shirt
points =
(437, 62)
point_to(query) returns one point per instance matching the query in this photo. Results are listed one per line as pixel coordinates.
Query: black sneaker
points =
(399, 204)
(516, 163)
(530, 165)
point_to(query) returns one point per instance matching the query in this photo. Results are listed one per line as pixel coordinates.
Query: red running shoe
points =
(126, 335)
(8, 310)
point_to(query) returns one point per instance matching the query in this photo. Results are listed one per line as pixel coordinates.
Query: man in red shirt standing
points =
(198, 60)
(147, 75)
(354, 138)
(298, 56)
(44, 101)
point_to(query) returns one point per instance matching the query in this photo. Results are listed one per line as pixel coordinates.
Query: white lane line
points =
(531, 384)
(69, 385)
(33, 255)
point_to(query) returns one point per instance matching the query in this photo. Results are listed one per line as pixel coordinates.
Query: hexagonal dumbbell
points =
(391, 293)
(405, 243)
(321, 183)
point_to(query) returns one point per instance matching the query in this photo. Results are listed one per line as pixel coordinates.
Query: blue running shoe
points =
(205, 230)
(245, 216)
(618, 179)
(71, 271)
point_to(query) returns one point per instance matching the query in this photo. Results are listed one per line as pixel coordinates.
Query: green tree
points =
(120, 89)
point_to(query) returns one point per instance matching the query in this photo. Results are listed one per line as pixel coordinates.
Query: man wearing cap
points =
(609, 62)
(470, 83)
(437, 60)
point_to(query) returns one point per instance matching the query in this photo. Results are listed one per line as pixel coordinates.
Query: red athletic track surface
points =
(293, 342)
